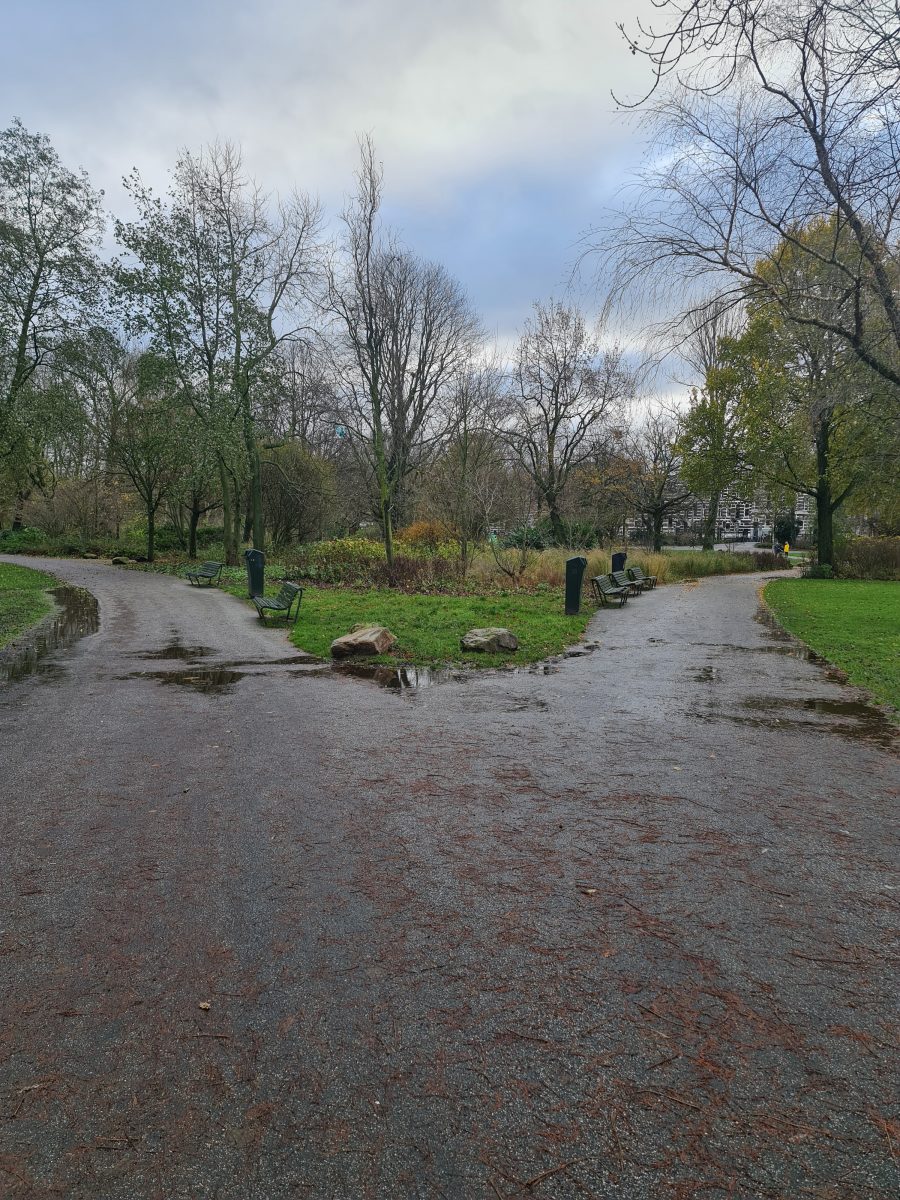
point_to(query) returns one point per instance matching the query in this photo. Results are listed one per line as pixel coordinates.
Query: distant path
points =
(624, 930)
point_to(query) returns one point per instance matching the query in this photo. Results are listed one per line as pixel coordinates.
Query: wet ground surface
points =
(625, 930)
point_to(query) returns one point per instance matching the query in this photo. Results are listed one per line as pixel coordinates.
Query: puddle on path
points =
(786, 643)
(854, 719)
(78, 616)
(707, 674)
(175, 650)
(292, 660)
(788, 648)
(403, 679)
(209, 680)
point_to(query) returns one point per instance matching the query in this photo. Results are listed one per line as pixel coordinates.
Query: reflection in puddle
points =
(401, 677)
(406, 678)
(854, 718)
(707, 674)
(525, 704)
(175, 650)
(787, 643)
(78, 616)
(300, 659)
(210, 680)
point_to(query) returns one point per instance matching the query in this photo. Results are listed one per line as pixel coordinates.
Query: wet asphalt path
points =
(625, 930)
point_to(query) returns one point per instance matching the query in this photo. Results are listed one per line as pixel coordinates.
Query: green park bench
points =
(605, 591)
(636, 574)
(620, 579)
(209, 571)
(282, 604)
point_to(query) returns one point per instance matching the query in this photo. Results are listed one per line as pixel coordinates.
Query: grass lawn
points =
(853, 623)
(428, 628)
(23, 599)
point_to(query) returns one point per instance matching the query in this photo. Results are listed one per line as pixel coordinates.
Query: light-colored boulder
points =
(363, 639)
(489, 641)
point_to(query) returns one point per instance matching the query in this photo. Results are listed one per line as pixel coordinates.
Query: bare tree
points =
(657, 490)
(779, 116)
(298, 404)
(466, 483)
(406, 331)
(563, 389)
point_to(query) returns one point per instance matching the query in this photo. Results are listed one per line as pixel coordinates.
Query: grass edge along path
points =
(852, 623)
(428, 628)
(23, 600)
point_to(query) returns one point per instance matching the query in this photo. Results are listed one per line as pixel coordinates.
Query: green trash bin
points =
(256, 569)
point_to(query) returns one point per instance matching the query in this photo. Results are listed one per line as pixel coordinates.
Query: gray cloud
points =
(494, 118)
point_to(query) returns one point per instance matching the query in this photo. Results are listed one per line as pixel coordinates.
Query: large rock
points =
(363, 639)
(489, 641)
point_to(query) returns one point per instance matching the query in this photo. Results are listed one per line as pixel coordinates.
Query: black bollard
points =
(575, 568)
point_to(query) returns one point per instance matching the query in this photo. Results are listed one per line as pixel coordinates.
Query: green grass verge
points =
(853, 623)
(23, 599)
(428, 628)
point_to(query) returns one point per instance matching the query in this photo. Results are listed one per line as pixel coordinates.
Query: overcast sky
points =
(494, 119)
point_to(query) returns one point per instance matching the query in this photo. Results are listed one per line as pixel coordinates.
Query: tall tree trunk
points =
(385, 499)
(18, 511)
(387, 527)
(228, 499)
(709, 525)
(151, 533)
(824, 509)
(252, 448)
(192, 528)
(235, 524)
(556, 522)
(657, 531)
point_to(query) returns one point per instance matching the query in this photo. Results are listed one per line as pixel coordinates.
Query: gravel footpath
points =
(625, 930)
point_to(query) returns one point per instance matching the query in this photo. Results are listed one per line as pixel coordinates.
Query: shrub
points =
(22, 541)
(341, 560)
(581, 535)
(360, 562)
(548, 569)
(767, 560)
(209, 535)
(423, 535)
(430, 574)
(868, 558)
(525, 536)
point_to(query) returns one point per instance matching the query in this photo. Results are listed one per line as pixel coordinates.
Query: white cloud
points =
(457, 96)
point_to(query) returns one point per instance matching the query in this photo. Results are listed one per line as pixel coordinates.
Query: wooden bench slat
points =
(620, 579)
(637, 574)
(209, 571)
(605, 590)
(283, 602)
